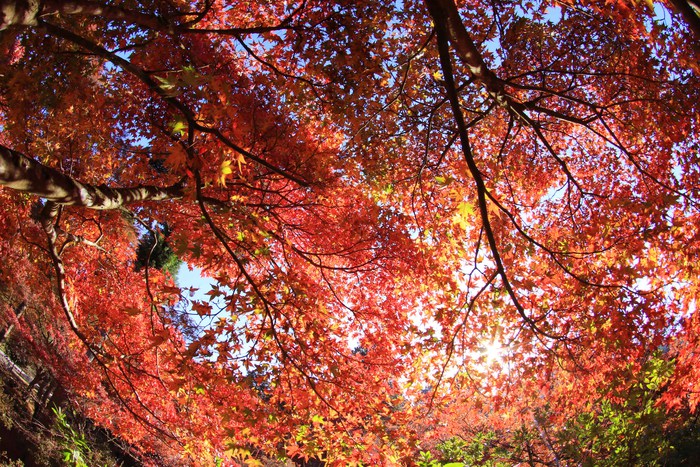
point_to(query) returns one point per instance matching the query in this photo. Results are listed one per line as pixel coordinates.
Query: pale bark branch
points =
(23, 173)
(28, 12)
(18, 12)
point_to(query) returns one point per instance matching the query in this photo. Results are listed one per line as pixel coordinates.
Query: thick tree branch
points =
(482, 191)
(18, 12)
(22, 173)
(28, 12)
(47, 219)
(446, 16)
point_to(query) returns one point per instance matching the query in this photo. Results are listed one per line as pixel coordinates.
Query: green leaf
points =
(169, 87)
(190, 76)
(179, 127)
(318, 419)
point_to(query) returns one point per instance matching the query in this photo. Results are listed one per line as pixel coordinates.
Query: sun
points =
(493, 351)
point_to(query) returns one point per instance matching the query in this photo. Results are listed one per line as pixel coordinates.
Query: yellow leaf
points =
(224, 170)
(179, 127)
(466, 209)
(464, 214)
(241, 161)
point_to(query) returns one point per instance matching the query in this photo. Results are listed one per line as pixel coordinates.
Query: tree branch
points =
(189, 115)
(22, 173)
(482, 192)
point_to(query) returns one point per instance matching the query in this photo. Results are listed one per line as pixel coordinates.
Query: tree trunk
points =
(19, 311)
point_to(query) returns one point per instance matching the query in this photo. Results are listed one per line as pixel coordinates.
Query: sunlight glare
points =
(493, 351)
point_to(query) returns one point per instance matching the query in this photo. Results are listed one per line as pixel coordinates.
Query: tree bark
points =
(28, 12)
(446, 12)
(22, 173)
(19, 311)
(19, 12)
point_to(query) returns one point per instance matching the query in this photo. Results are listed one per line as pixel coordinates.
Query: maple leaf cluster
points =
(418, 217)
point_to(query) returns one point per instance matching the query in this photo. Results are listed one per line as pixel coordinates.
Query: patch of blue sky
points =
(196, 287)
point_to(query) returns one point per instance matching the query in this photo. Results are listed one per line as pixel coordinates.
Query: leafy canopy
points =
(417, 215)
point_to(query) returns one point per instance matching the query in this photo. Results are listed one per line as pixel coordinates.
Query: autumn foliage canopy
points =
(419, 216)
